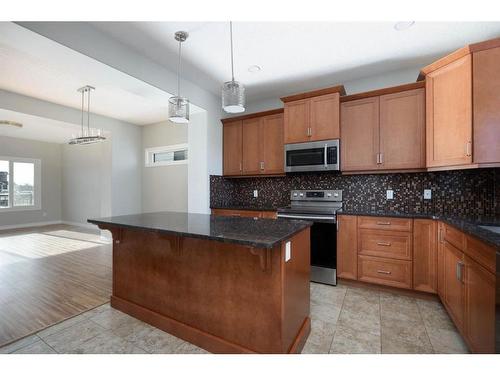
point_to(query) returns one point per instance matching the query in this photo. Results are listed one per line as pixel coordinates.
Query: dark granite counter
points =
(239, 230)
(471, 226)
(244, 207)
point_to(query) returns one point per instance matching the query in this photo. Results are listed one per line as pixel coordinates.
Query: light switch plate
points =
(427, 194)
(255, 193)
(390, 194)
(288, 251)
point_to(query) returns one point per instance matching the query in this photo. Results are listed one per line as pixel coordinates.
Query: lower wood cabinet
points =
(244, 213)
(454, 286)
(425, 254)
(347, 247)
(385, 271)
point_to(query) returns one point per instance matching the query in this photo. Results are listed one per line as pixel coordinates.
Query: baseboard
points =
(30, 225)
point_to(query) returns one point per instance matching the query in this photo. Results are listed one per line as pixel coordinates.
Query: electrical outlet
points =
(427, 194)
(255, 193)
(288, 251)
(390, 194)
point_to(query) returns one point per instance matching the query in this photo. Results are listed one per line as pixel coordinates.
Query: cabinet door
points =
(402, 130)
(273, 147)
(325, 117)
(449, 114)
(359, 126)
(297, 121)
(486, 109)
(425, 255)
(440, 262)
(251, 146)
(347, 247)
(454, 287)
(232, 148)
(479, 307)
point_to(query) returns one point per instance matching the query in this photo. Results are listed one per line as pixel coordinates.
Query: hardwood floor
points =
(50, 274)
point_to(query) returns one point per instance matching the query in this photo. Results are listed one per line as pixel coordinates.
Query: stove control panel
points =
(316, 195)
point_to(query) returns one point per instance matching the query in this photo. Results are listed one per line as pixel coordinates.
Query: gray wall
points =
(164, 188)
(50, 155)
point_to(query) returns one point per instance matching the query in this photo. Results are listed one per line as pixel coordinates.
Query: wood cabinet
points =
(347, 247)
(440, 261)
(313, 116)
(454, 286)
(232, 148)
(253, 144)
(384, 131)
(244, 213)
(385, 271)
(359, 123)
(385, 244)
(425, 254)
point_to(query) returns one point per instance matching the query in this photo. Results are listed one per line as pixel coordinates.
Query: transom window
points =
(167, 155)
(19, 184)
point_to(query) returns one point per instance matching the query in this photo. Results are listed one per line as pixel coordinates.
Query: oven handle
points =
(332, 218)
(326, 158)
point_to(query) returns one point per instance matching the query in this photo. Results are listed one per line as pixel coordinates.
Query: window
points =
(167, 155)
(19, 184)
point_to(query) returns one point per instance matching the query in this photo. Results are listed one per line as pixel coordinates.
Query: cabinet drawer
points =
(481, 253)
(242, 213)
(454, 236)
(386, 244)
(389, 272)
(385, 223)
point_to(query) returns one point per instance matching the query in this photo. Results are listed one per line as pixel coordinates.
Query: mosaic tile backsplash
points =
(465, 193)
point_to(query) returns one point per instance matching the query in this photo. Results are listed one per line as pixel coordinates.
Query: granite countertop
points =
(245, 207)
(469, 226)
(265, 233)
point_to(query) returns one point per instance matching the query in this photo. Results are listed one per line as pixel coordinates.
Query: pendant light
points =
(87, 135)
(233, 92)
(178, 106)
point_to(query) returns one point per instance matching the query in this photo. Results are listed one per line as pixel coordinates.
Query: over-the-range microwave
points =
(312, 156)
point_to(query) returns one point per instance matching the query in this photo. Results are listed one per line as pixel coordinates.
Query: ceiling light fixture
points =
(178, 106)
(87, 135)
(254, 68)
(233, 92)
(400, 26)
(11, 123)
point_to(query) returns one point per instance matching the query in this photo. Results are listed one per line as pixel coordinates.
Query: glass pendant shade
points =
(87, 134)
(233, 97)
(178, 110)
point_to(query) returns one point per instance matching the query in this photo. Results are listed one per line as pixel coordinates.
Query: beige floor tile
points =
(360, 319)
(397, 307)
(447, 341)
(363, 294)
(19, 344)
(60, 326)
(325, 312)
(434, 315)
(188, 348)
(91, 313)
(112, 319)
(395, 346)
(410, 332)
(106, 343)
(320, 338)
(314, 348)
(67, 340)
(326, 294)
(351, 341)
(38, 347)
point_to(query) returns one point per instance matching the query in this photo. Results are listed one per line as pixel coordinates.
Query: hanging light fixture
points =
(233, 92)
(178, 106)
(87, 135)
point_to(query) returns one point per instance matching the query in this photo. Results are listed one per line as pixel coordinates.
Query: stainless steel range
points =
(320, 207)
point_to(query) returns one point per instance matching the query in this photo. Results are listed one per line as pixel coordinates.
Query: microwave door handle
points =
(326, 158)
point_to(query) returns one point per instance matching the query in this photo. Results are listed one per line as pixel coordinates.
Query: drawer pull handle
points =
(384, 272)
(384, 243)
(383, 223)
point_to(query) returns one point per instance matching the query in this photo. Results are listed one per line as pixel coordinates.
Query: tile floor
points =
(345, 319)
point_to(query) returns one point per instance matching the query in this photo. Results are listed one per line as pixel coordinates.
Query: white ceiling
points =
(36, 128)
(35, 66)
(295, 55)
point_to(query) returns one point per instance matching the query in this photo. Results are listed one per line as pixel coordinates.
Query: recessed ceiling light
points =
(11, 123)
(254, 68)
(400, 26)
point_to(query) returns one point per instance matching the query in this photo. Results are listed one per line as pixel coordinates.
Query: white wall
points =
(125, 149)
(50, 155)
(164, 188)
(379, 81)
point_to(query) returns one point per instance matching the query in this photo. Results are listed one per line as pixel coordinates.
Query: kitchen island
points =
(225, 284)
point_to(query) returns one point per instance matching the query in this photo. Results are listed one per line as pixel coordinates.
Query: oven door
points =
(323, 246)
(312, 156)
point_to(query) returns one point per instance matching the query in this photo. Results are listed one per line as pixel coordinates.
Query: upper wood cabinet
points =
(232, 148)
(384, 129)
(312, 116)
(463, 115)
(425, 254)
(253, 144)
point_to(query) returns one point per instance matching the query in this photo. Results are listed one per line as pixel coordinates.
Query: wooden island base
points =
(222, 297)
